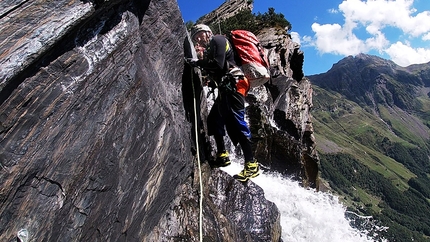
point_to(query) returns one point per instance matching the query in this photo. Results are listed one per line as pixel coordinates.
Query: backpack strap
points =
(229, 50)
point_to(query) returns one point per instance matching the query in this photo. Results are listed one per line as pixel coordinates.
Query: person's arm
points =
(215, 60)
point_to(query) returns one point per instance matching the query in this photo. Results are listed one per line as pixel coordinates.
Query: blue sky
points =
(329, 30)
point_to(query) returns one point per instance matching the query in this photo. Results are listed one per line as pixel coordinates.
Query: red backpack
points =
(250, 57)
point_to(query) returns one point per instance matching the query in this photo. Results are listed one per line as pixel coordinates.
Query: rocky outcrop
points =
(280, 112)
(226, 10)
(96, 134)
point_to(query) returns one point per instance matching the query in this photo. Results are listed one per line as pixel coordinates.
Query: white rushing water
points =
(306, 215)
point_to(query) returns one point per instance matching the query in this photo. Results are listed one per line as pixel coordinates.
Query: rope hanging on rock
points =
(198, 161)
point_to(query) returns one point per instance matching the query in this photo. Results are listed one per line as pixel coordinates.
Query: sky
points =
(330, 30)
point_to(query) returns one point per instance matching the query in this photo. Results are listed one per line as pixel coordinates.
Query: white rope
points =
(198, 161)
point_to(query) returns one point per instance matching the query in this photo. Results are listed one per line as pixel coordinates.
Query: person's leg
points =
(237, 127)
(251, 167)
(237, 122)
(245, 144)
(216, 128)
(219, 140)
(222, 156)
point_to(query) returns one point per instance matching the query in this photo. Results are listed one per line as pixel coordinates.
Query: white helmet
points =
(199, 27)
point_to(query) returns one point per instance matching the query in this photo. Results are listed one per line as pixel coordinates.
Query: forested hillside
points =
(371, 119)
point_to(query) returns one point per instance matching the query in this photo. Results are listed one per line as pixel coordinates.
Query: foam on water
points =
(306, 215)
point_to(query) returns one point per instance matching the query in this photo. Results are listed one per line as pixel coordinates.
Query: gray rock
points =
(226, 10)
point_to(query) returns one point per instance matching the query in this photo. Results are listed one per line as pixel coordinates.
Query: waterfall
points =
(306, 215)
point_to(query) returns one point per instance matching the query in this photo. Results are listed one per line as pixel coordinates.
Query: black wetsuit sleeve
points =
(215, 61)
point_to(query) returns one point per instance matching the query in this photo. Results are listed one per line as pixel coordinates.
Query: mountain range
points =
(372, 126)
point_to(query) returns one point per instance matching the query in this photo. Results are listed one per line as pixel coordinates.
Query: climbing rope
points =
(198, 160)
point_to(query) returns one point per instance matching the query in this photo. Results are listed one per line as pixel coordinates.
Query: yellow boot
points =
(222, 159)
(251, 170)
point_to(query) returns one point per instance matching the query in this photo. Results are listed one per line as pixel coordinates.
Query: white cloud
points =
(307, 41)
(295, 37)
(381, 13)
(404, 55)
(375, 17)
(332, 10)
(377, 42)
(332, 38)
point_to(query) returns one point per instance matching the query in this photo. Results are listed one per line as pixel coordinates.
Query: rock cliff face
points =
(94, 139)
(226, 10)
(288, 146)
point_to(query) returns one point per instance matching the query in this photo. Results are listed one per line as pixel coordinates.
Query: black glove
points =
(228, 83)
(192, 61)
(212, 84)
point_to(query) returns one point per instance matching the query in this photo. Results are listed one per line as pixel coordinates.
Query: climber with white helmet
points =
(216, 58)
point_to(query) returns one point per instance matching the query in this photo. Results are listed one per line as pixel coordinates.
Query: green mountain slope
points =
(371, 119)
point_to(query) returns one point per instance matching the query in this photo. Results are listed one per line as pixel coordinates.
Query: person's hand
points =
(200, 52)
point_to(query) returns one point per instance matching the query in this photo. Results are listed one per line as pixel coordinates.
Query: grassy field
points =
(353, 130)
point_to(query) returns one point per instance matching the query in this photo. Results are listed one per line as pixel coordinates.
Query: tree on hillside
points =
(272, 19)
(248, 21)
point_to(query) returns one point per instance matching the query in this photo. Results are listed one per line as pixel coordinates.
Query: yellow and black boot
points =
(251, 170)
(222, 159)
